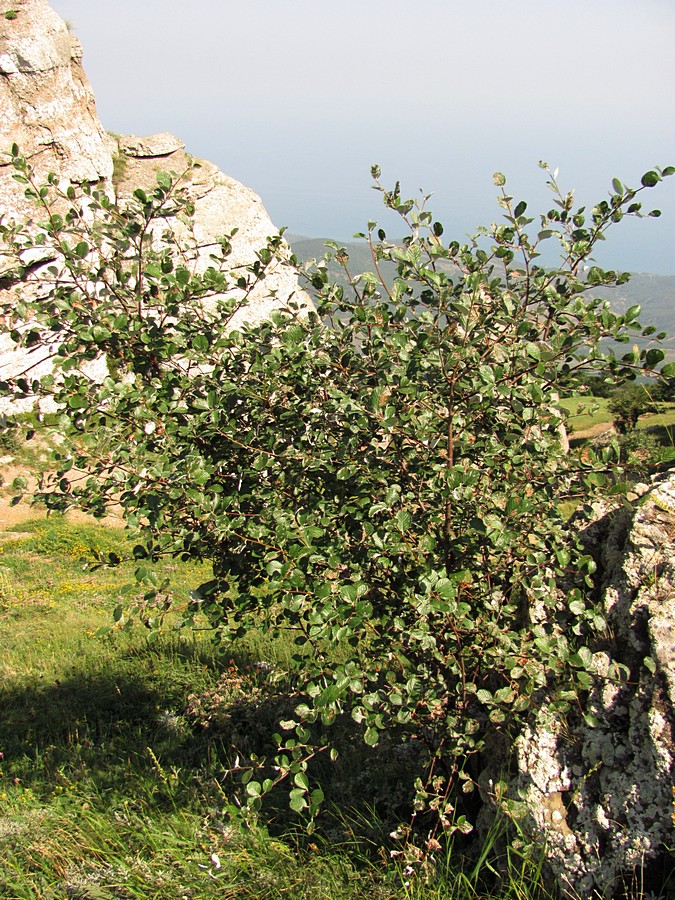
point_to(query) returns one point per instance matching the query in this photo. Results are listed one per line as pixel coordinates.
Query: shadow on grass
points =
(147, 736)
(163, 725)
(664, 434)
(96, 727)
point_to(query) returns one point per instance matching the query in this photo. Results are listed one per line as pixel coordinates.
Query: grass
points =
(587, 412)
(113, 784)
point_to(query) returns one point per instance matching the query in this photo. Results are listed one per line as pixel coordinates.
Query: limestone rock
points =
(221, 205)
(600, 787)
(155, 146)
(46, 102)
(48, 110)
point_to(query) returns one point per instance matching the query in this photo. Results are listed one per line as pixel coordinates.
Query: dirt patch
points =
(587, 433)
(13, 515)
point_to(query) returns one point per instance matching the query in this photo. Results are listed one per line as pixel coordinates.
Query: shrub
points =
(9, 442)
(598, 387)
(640, 450)
(627, 404)
(381, 480)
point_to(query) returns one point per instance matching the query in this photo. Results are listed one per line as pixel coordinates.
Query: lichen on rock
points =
(599, 787)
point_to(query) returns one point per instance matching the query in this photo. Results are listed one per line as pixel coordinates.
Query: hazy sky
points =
(297, 98)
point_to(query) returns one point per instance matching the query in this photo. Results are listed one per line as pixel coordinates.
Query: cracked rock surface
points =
(601, 788)
(47, 103)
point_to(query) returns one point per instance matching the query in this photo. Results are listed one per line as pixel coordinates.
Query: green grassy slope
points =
(114, 754)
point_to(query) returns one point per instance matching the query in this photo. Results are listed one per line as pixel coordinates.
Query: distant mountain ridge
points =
(656, 296)
(654, 293)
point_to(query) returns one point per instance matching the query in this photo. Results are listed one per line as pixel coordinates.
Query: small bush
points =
(641, 450)
(9, 439)
(627, 404)
(379, 481)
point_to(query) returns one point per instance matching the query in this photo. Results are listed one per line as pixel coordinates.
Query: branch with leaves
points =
(382, 479)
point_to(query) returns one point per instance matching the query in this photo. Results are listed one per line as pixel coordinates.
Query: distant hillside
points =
(656, 296)
(654, 293)
(360, 260)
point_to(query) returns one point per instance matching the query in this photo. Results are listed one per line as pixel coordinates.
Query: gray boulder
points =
(599, 785)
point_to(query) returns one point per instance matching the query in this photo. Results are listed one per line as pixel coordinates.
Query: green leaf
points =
(316, 798)
(403, 520)
(563, 556)
(371, 736)
(650, 179)
(653, 357)
(591, 720)
(298, 800)
(164, 180)
(254, 789)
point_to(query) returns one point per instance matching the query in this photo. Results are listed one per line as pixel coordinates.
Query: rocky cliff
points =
(47, 104)
(48, 109)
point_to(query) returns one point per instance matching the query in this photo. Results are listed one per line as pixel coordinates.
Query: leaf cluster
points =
(381, 480)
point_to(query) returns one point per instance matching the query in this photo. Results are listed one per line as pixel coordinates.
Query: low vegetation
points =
(590, 415)
(372, 495)
(114, 753)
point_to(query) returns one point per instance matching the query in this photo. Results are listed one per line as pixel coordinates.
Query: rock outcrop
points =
(599, 785)
(48, 109)
(46, 102)
(220, 205)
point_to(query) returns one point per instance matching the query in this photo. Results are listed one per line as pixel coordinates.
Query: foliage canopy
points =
(381, 478)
